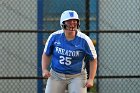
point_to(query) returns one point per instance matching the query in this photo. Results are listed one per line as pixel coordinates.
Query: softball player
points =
(67, 49)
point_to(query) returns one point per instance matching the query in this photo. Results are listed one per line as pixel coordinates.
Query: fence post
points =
(39, 45)
(87, 21)
(97, 44)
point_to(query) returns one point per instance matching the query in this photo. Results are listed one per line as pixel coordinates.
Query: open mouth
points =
(72, 28)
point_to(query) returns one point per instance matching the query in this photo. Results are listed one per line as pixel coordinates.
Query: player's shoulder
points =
(82, 35)
(57, 32)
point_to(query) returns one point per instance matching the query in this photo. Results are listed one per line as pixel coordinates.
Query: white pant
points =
(58, 83)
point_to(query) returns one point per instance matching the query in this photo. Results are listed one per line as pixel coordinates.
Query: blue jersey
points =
(68, 56)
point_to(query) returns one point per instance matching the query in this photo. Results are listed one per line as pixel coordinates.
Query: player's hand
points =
(89, 83)
(46, 73)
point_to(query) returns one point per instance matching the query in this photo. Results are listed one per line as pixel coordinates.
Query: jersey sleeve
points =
(49, 45)
(90, 49)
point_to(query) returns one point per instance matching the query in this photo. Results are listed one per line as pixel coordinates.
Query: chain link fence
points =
(119, 56)
(119, 52)
(116, 42)
(119, 14)
(18, 58)
(18, 15)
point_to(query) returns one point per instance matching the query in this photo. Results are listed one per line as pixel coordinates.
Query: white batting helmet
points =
(67, 15)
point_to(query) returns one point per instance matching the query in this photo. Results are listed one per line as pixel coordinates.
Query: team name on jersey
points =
(67, 52)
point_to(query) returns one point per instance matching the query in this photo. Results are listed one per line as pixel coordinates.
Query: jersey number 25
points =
(65, 60)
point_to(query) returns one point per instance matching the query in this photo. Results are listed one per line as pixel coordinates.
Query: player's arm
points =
(93, 69)
(46, 56)
(92, 62)
(45, 64)
(92, 72)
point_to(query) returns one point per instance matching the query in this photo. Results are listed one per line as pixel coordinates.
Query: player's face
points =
(71, 24)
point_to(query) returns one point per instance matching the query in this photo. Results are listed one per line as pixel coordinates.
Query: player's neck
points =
(70, 35)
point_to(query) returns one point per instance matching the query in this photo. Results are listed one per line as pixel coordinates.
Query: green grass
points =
(92, 89)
